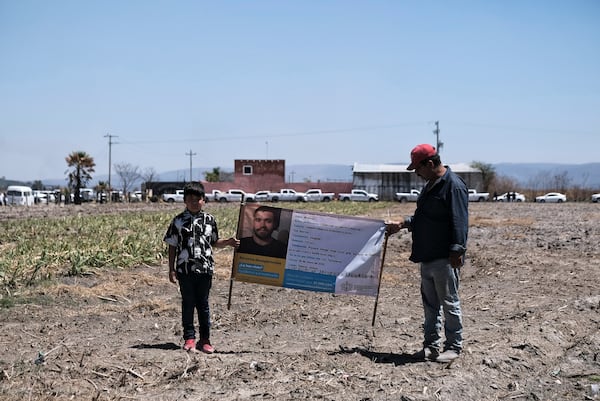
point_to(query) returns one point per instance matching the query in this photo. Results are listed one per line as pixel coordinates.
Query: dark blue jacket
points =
(441, 221)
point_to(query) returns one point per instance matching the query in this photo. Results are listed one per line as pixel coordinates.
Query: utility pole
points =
(190, 155)
(110, 143)
(436, 131)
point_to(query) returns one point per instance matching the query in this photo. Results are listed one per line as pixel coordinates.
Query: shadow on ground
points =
(381, 357)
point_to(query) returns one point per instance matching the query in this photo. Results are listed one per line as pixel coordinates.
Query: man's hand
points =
(457, 259)
(393, 228)
(172, 275)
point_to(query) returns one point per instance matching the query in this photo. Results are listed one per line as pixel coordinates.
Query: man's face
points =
(263, 224)
(424, 170)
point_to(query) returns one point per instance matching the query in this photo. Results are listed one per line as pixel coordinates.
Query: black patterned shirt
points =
(193, 236)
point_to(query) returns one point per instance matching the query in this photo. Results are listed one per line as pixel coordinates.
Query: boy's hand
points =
(232, 241)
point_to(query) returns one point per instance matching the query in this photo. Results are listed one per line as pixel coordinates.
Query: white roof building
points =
(387, 179)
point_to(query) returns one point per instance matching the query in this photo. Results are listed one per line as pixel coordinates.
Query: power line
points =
(519, 128)
(215, 138)
(292, 134)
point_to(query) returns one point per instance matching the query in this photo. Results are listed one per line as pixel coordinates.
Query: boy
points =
(191, 236)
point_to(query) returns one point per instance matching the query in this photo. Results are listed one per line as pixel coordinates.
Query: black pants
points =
(195, 289)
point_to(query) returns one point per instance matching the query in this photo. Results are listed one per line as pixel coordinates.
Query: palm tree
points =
(83, 165)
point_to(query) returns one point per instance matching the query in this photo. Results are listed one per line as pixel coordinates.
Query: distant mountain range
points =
(585, 175)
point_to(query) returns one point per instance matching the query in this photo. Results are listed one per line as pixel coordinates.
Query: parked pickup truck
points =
(316, 195)
(213, 196)
(475, 196)
(411, 196)
(287, 195)
(176, 197)
(262, 196)
(234, 195)
(359, 195)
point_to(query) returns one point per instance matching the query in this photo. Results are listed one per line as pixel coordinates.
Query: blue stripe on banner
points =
(309, 281)
(255, 270)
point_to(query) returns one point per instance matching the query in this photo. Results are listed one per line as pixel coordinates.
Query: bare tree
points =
(502, 184)
(129, 176)
(488, 172)
(149, 175)
(541, 182)
(561, 181)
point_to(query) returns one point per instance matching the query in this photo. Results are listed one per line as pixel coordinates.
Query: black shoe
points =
(426, 354)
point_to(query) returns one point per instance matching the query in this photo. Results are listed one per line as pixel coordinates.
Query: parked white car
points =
(262, 196)
(136, 196)
(235, 195)
(596, 198)
(411, 196)
(505, 198)
(44, 197)
(358, 195)
(475, 196)
(554, 197)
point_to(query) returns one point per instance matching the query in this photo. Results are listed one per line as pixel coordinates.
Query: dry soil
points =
(530, 295)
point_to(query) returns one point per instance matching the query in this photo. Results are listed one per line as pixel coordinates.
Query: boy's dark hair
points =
(276, 214)
(193, 188)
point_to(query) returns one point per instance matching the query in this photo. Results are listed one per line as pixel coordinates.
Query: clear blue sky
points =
(307, 81)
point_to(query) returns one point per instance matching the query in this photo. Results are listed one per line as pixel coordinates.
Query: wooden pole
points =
(237, 235)
(380, 275)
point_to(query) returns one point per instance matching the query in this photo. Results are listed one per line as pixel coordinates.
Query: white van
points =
(19, 195)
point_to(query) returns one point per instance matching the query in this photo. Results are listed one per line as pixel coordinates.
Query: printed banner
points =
(309, 250)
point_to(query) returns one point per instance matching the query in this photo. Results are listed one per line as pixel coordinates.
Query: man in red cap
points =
(439, 231)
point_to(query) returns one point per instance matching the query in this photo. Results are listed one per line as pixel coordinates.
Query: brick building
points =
(251, 176)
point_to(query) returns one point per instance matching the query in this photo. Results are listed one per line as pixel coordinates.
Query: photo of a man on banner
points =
(264, 233)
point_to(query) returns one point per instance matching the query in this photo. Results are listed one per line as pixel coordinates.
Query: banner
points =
(309, 250)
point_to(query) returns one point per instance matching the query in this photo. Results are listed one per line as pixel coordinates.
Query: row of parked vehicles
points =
(356, 195)
(474, 196)
(414, 194)
(25, 196)
(283, 195)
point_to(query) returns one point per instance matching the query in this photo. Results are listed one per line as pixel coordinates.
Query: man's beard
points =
(263, 234)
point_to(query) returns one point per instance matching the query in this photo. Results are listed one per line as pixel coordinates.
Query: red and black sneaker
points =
(206, 347)
(190, 345)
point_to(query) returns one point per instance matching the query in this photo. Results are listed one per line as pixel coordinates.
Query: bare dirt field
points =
(530, 296)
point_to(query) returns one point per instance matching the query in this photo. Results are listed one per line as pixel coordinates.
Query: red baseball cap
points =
(420, 153)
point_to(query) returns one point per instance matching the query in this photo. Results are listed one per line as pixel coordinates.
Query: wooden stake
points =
(380, 275)
(237, 235)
